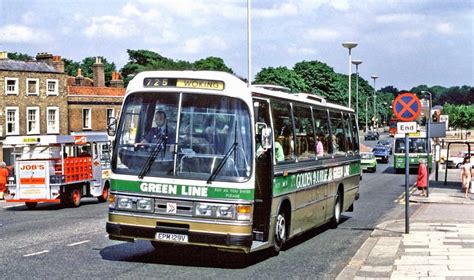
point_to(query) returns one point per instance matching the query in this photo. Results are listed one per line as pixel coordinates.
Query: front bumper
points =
(129, 228)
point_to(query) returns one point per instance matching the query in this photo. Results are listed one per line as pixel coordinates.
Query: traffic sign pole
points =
(407, 196)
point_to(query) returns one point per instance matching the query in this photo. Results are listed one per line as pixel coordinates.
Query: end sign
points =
(406, 127)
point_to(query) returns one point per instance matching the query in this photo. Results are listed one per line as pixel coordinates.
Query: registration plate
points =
(172, 237)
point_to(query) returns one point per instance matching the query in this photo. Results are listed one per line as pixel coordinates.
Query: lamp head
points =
(349, 45)
(374, 77)
(356, 62)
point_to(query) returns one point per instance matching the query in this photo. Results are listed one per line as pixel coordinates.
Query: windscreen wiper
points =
(216, 171)
(151, 158)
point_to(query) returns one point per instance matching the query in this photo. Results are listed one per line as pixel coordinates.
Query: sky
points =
(405, 42)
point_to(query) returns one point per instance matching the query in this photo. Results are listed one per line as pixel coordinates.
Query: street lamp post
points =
(366, 112)
(349, 45)
(428, 144)
(356, 63)
(375, 97)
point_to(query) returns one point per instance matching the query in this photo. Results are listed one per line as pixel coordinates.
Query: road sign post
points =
(406, 107)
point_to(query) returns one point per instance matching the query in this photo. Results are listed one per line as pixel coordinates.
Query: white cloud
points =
(28, 18)
(395, 18)
(341, 5)
(321, 34)
(280, 10)
(411, 34)
(23, 34)
(445, 28)
(301, 51)
(196, 45)
(110, 26)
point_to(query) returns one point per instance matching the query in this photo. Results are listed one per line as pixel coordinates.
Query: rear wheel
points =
(280, 231)
(75, 198)
(105, 194)
(31, 205)
(337, 210)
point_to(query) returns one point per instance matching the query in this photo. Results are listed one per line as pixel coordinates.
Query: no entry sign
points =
(406, 107)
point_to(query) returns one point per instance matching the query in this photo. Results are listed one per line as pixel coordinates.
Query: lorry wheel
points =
(31, 205)
(105, 194)
(75, 198)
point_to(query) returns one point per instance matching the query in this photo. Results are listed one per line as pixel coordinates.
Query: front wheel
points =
(105, 194)
(280, 232)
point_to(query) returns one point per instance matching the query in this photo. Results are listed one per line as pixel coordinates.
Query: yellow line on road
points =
(401, 198)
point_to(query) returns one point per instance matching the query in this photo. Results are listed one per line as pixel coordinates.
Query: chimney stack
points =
(58, 63)
(116, 81)
(45, 57)
(79, 78)
(99, 76)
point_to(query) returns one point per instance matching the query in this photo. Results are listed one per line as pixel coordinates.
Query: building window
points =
(86, 118)
(110, 114)
(11, 86)
(32, 120)
(52, 87)
(32, 86)
(12, 120)
(52, 115)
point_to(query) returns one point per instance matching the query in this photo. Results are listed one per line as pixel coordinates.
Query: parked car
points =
(381, 153)
(386, 143)
(368, 161)
(457, 160)
(371, 135)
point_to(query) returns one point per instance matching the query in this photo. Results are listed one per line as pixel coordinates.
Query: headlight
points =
(124, 203)
(218, 211)
(144, 204)
(225, 212)
(204, 210)
(130, 203)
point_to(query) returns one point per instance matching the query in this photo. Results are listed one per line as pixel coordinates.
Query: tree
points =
(19, 56)
(212, 63)
(281, 76)
(320, 79)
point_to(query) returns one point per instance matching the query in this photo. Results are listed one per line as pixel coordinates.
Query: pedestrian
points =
(3, 179)
(422, 179)
(466, 175)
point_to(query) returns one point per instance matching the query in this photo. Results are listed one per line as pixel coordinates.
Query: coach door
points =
(264, 174)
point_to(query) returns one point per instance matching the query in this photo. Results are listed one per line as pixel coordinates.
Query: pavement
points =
(439, 243)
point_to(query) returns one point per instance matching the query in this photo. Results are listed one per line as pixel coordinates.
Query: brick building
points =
(90, 102)
(34, 97)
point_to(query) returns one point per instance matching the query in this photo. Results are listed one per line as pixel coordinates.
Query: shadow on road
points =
(51, 206)
(144, 252)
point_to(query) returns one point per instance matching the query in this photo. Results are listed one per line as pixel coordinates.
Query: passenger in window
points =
(319, 146)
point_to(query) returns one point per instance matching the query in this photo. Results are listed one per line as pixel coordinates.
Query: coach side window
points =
(323, 134)
(338, 139)
(283, 130)
(304, 131)
(355, 134)
(348, 133)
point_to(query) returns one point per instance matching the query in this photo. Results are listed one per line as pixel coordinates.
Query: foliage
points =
(70, 67)
(212, 63)
(281, 76)
(19, 56)
(460, 116)
(145, 60)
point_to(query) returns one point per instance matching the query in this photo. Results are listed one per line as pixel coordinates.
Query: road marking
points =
(37, 253)
(401, 198)
(78, 243)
